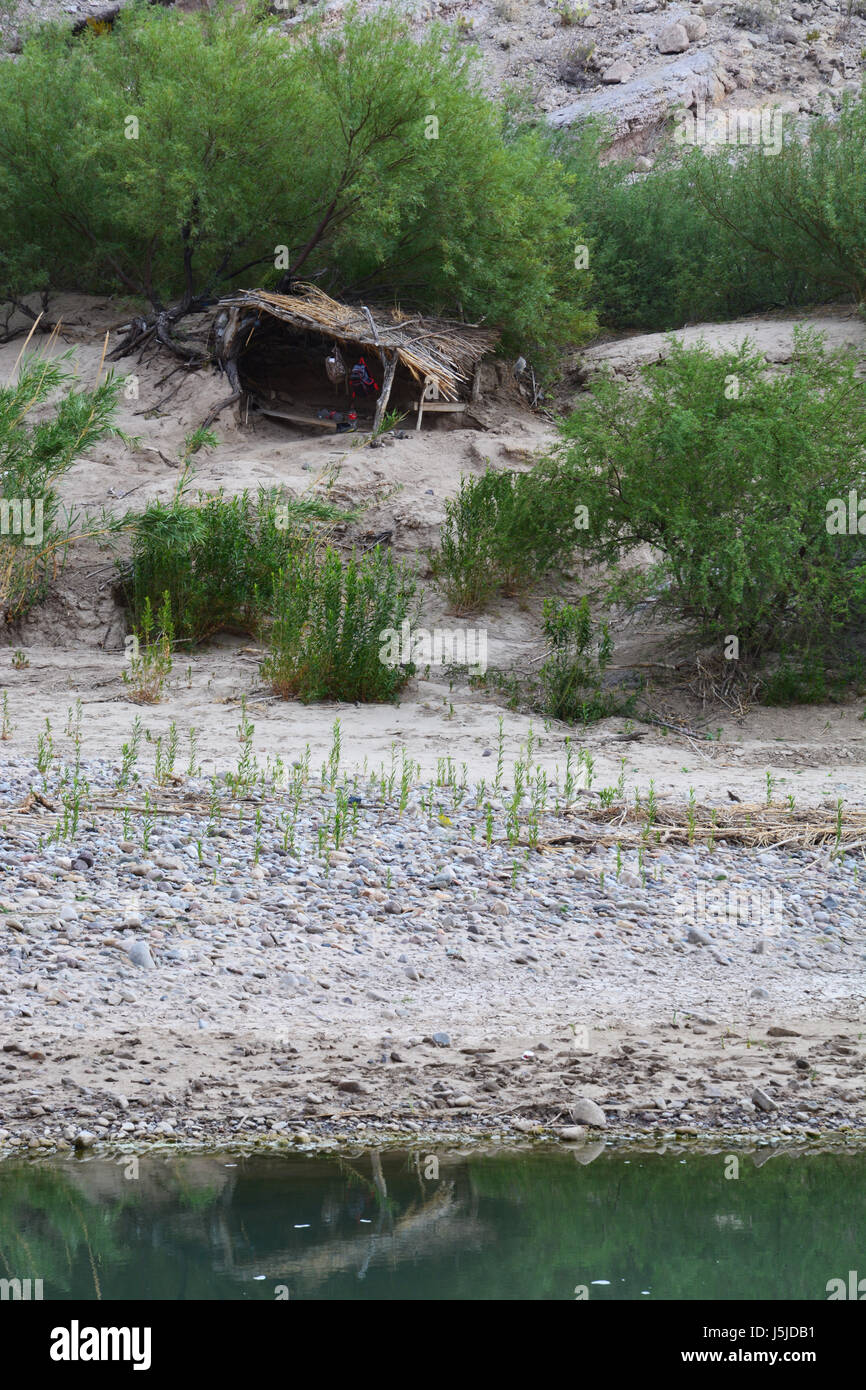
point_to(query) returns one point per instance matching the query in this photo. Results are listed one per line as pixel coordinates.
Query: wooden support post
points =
(387, 383)
(424, 387)
(476, 384)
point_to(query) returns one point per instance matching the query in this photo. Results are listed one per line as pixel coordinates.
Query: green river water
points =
(509, 1225)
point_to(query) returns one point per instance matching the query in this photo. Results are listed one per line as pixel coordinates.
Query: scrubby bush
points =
(578, 653)
(216, 557)
(578, 67)
(804, 207)
(36, 529)
(660, 257)
(329, 620)
(502, 532)
(731, 474)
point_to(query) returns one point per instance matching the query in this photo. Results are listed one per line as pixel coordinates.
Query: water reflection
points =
(445, 1226)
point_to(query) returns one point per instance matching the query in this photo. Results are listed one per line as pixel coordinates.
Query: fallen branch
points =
(218, 409)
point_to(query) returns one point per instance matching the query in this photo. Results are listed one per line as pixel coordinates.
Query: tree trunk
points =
(384, 394)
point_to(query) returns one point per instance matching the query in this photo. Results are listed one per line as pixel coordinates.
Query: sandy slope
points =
(74, 647)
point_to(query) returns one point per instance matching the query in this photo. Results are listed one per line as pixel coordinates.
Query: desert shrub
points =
(328, 624)
(36, 529)
(503, 531)
(571, 14)
(755, 15)
(577, 66)
(571, 676)
(728, 473)
(804, 206)
(215, 557)
(659, 257)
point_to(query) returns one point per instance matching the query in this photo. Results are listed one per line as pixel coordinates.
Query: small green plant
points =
(151, 662)
(570, 15)
(147, 823)
(20, 661)
(193, 769)
(45, 753)
(578, 654)
(691, 815)
(6, 726)
(37, 529)
(390, 420)
(241, 783)
(129, 756)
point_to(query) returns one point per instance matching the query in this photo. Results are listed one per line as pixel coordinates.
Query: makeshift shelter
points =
(275, 349)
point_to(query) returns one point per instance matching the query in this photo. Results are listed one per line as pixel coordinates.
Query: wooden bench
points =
(451, 407)
(296, 417)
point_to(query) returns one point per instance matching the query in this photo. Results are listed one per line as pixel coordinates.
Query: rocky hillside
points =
(632, 62)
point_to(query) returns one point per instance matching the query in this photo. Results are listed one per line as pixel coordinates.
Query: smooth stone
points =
(585, 1111)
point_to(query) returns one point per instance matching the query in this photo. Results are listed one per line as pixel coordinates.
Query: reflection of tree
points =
(46, 1225)
(405, 1229)
(437, 1226)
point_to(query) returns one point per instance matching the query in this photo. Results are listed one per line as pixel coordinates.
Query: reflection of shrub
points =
(328, 618)
(577, 656)
(503, 531)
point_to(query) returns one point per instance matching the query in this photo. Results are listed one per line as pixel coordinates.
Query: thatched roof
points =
(445, 352)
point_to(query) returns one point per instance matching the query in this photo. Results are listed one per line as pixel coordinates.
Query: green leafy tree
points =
(660, 255)
(181, 155)
(803, 208)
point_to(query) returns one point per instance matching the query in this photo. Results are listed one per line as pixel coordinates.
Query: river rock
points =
(585, 1112)
(139, 954)
(573, 1134)
(763, 1101)
(621, 71)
